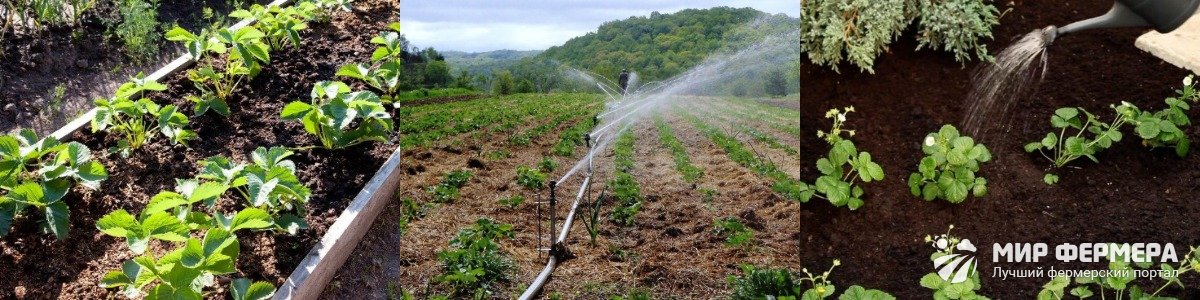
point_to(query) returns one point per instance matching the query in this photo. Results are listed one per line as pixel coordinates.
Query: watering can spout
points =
(1164, 15)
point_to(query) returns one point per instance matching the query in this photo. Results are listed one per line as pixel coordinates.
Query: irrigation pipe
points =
(562, 236)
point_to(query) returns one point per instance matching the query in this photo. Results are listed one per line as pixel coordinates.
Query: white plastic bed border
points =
(323, 261)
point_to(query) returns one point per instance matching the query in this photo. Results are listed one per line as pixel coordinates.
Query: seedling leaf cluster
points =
(948, 169)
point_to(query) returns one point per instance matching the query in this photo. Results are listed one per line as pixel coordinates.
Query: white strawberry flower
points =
(929, 141)
(1187, 81)
(841, 117)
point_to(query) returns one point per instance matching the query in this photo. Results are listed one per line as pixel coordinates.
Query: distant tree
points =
(739, 89)
(437, 74)
(525, 86)
(463, 80)
(503, 85)
(776, 84)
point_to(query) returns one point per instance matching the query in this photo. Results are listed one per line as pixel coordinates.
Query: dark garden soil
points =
(1132, 195)
(72, 268)
(85, 58)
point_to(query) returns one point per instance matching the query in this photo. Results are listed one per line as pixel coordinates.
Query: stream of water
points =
(1016, 73)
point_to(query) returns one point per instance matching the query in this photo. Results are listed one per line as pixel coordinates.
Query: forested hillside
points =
(484, 63)
(658, 46)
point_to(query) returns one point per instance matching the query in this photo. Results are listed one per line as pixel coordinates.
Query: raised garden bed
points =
(72, 268)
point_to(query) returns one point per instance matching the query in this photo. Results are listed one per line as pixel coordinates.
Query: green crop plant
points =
(547, 165)
(244, 53)
(844, 165)
(202, 241)
(784, 185)
(512, 201)
(760, 283)
(324, 14)
(447, 190)
(530, 178)
(942, 288)
(683, 164)
(1164, 127)
(1120, 280)
(279, 24)
(593, 221)
(736, 234)
(1089, 136)
(138, 121)
(476, 263)
(384, 71)
(334, 109)
(625, 190)
(37, 173)
(268, 182)
(858, 31)
(948, 169)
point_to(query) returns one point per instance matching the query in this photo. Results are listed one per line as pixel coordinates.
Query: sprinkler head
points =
(1048, 35)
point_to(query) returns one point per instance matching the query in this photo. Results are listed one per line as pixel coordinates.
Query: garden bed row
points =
(333, 176)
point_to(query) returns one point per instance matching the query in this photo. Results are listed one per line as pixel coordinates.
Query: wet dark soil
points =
(1132, 195)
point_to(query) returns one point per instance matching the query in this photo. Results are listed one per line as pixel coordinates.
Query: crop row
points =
(203, 240)
(440, 121)
(683, 164)
(626, 192)
(746, 114)
(786, 186)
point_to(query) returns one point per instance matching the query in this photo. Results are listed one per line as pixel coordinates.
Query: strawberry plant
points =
(279, 24)
(475, 262)
(1089, 136)
(530, 178)
(138, 121)
(334, 108)
(1120, 280)
(844, 165)
(736, 234)
(759, 284)
(447, 190)
(194, 263)
(37, 173)
(625, 190)
(269, 182)
(1163, 128)
(244, 53)
(328, 6)
(384, 70)
(942, 288)
(948, 169)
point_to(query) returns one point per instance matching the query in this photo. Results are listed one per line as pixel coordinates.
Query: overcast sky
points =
(484, 25)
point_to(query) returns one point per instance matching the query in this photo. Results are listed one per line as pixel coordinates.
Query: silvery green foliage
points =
(956, 26)
(860, 30)
(853, 30)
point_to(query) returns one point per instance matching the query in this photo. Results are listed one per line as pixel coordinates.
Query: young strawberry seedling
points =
(279, 24)
(948, 169)
(968, 288)
(758, 283)
(844, 165)
(334, 108)
(138, 121)
(384, 70)
(37, 173)
(1163, 128)
(1089, 137)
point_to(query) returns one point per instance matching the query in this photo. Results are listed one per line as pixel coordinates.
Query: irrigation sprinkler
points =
(553, 212)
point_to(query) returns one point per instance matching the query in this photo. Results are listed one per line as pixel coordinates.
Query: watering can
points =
(1164, 15)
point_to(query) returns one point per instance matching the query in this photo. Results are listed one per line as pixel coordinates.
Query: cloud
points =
(482, 25)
